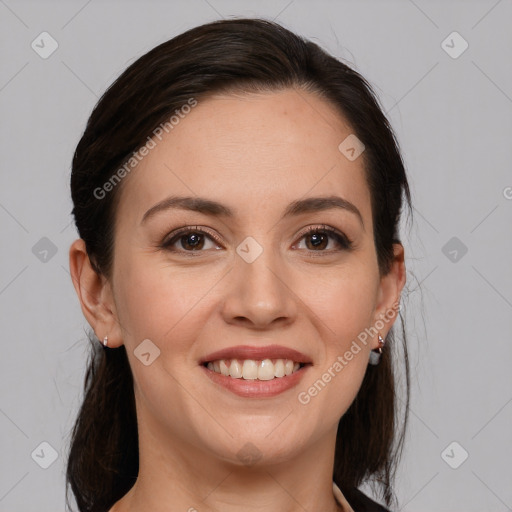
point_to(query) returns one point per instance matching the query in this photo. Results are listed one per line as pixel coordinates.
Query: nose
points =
(258, 294)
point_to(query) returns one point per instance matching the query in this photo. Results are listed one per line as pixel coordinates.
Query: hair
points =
(227, 56)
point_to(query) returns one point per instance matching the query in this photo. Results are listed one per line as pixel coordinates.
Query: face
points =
(248, 273)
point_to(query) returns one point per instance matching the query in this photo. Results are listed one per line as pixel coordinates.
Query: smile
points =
(250, 369)
(249, 385)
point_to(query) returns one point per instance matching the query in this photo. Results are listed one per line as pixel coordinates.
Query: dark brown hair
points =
(235, 55)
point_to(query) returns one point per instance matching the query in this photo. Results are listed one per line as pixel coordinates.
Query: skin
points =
(255, 154)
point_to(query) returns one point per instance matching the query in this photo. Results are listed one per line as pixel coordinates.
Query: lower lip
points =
(257, 388)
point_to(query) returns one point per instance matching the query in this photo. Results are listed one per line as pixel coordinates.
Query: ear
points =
(390, 288)
(95, 294)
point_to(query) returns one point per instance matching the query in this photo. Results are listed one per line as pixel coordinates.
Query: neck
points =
(183, 477)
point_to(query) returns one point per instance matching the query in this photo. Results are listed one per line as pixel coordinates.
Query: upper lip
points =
(242, 352)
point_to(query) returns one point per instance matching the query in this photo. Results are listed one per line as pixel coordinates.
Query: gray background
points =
(453, 118)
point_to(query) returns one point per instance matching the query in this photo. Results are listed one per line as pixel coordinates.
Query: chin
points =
(258, 448)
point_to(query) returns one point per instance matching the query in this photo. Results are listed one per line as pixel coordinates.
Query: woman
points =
(237, 192)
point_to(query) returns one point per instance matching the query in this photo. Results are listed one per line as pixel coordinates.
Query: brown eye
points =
(189, 240)
(194, 241)
(318, 238)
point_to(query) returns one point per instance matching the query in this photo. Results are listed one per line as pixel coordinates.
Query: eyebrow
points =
(209, 207)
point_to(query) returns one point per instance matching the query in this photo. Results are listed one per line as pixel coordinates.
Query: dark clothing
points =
(355, 500)
(361, 503)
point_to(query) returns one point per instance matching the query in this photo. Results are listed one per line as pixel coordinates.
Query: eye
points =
(195, 239)
(319, 239)
(190, 239)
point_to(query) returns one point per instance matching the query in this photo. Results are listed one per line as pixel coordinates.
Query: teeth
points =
(224, 368)
(235, 370)
(266, 370)
(279, 368)
(250, 369)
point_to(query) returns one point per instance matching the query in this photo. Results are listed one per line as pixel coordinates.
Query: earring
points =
(105, 341)
(376, 353)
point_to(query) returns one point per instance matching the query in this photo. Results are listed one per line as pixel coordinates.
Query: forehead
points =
(250, 151)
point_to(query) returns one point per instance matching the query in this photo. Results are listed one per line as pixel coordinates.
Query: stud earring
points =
(105, 341)
(376, 353)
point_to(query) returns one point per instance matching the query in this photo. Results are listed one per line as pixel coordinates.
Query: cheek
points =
(337, 378)
(344, 301)
(161, 303)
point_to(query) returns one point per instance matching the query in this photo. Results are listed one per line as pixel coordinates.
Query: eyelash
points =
(342, 239)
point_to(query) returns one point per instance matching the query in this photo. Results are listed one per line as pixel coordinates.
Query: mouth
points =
(249, 362)
(250, 369)
(256, 372)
